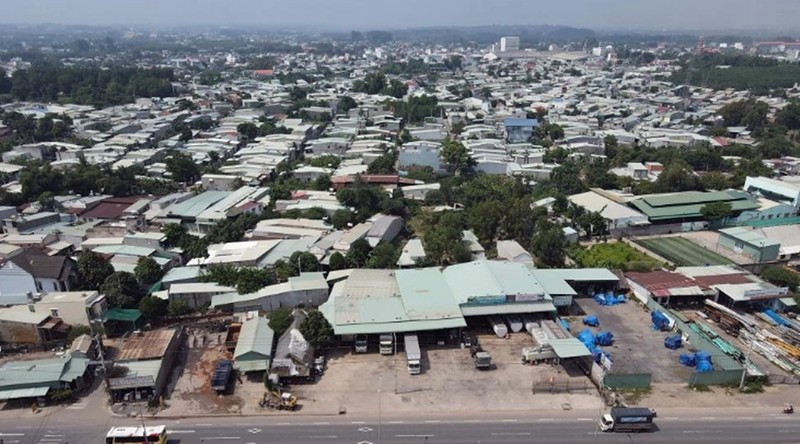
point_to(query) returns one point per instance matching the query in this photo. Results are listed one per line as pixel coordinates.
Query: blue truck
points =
(628, 419)
(222, 376)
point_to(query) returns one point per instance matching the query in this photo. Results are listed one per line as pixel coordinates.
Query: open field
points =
(683, 252)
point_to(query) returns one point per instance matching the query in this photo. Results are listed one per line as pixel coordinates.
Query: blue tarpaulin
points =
(606, 299)
(780, 320)
(660, 322)
(704, 366)
(687, 360)
(673, 342)
(605, 338)
(591, 321)
(564, 324)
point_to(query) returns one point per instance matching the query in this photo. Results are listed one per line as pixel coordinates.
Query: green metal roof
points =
(31, 392)
(181, 274)
(192, 207)
(569, 348)
(510, 308)
(425, 294)
(553, 282)
(255, 341)
(688, 204)
(44, 373)
(749, 236)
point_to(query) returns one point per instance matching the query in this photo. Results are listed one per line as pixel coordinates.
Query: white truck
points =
(413, 354)
(361, 343)
(627, 419)
(387, 344)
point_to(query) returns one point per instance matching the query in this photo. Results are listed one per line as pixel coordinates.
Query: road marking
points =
(204, 425)
(692, 431)
(365, 429)
(180, 431)
(708, 417)
(670, 417)
(471, 421)
(254, 430)
(511, 434)
(322, 423)
(283, 423)
(414, 436)
(510, 420)
(433, 422)
(747, 418)
(53, 436)
(227, 438)
(324, 437)
(358, 422)
(12, 434)
(546, 419)
(585, 419)
(394, 422)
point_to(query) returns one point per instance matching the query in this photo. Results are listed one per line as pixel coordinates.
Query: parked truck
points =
(232, 336)
(413, 354)
(222, 376)
(387, 344)
(627, 419)
(483, 360)
(361, 343)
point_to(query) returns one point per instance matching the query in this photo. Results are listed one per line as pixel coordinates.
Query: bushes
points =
(616, 255)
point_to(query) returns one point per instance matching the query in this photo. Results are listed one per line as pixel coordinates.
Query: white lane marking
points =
(283, 423)
(212, 438)
(322, 423)
(510, 420)
(546, 419)
(511, 434)
(204, 425)
(585, 419)
(180, 431)
(433, 422)
(358, 422)
(471, 421)
(708, 417)
(414, 436)
(53, 436)
(395, 422)
(12, 434)
(324, 437)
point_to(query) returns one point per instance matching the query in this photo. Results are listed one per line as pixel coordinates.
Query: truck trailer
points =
(413, 355)
(387, 344)
(361, 343)
(627, 419)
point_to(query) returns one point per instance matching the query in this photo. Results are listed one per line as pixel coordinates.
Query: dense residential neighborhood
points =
(211, 226)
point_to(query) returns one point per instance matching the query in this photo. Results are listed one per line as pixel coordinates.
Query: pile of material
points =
(608, 299)
(660, 321)
(673, 342)
(591, 321)
(701, 361)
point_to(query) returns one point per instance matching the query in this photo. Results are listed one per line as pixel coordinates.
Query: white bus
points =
(152, 434)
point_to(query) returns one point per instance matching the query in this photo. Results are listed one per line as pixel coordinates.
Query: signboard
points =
(530, 297)
(487, 300)
(632, 419)
(562, 301)
(764, 293)
(131, 382)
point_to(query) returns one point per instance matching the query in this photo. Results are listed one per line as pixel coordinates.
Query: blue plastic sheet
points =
(605, 338)
(673, 342)
(591, 321)
(687, 360)
(704, 366)
(660, 322)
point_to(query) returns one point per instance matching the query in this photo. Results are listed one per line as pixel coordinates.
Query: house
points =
(419, 192)
(384, 228)
(19, 325)
(617, 215)
(253, 351)
(294, 355)
(774, 189)
(519, 130)
(413, 251)
(34, 272)
(35, 379)
(512, 251)
(308, 289)
(419, 153)
(75, 307)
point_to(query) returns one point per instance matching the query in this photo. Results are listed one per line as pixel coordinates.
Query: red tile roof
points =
(660, 280)
(111, 208)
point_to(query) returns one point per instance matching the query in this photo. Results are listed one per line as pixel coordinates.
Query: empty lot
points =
(683, 252)
(637, 348)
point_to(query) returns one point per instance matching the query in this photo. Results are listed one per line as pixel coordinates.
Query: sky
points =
(397, 14)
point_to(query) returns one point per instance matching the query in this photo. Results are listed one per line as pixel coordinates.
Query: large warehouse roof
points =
(687, 204)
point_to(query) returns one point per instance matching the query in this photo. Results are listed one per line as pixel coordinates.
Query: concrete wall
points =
(627, 381)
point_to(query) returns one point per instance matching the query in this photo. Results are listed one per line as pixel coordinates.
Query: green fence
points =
(716, 377)
(627, 381)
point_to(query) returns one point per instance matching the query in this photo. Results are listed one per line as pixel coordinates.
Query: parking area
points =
(637, 347)
(449, 381)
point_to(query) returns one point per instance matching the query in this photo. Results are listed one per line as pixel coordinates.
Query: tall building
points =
(509, 44)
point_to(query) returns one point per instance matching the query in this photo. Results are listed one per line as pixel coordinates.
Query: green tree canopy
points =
(338, 261)
(280, 319)
(147, 271)
(716, 211)
(122, 290)
(93, 270)
(153, 308)
(77, 330)
(384, 255)
(781, 276)
(182, 168)
(248, 130)
(178, 308)
(316, 330)
(548, 245)
(456, 158)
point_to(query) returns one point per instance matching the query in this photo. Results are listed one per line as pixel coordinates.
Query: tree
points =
(716, 211)
(789, 116)
(248, 130)
(484, 219)
(77, 330)
(121, 289)
(341, 218)
(326, 161)
(178, 308)
(566, 179)
(443, 241)
(359, 252)
(456, 157)
(93, 270)
(548, 245)
(338, 261)
(147, 271)
(781, 276)
(306, 261)
(714, 181)
(175, 234)
(186, 135)
(322, 183)
(317, 330)
(182, 168)
(383, 164)
(677, 176)
(346, 103)
(396, 89)
(280, 319)
(250, 280)
(384, 255)
(153, 308)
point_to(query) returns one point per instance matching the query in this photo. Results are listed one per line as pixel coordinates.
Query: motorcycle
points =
(788, 409)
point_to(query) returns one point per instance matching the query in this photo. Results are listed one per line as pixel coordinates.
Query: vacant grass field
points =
(683, 252)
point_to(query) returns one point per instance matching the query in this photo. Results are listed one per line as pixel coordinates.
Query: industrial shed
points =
(253, 351)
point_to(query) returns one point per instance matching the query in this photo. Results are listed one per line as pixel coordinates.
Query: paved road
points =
(571, 427)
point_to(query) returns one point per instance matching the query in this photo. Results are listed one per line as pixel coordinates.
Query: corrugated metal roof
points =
(32, 392)
(552, 281)
(509, 308)
(426, 295)
(151, 344)
(195, 205)
(688, 204)
(569, 348)
(255, 342)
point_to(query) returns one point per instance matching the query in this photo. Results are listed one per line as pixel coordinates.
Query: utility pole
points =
(380, 383)
(746, 363)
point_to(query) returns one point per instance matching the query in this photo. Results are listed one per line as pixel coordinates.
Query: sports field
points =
(683, 252)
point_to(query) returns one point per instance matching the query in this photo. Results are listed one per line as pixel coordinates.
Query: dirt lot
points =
(449, 381)
(192, 393)
(637, 348)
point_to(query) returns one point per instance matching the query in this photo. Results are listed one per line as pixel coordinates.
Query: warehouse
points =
(686, 206)
(749, 243)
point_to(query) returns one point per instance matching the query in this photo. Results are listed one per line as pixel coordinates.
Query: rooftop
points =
(688, 204)
(152, 344)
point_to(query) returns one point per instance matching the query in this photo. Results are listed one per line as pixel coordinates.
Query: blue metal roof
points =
(521, 122)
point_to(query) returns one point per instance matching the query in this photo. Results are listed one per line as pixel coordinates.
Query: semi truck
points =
(627, 419)
(387, 344)
(413, 354)
(361, 343)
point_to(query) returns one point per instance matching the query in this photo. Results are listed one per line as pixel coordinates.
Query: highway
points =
(516, 428)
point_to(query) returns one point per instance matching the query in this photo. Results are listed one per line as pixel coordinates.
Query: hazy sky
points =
(370, 14)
